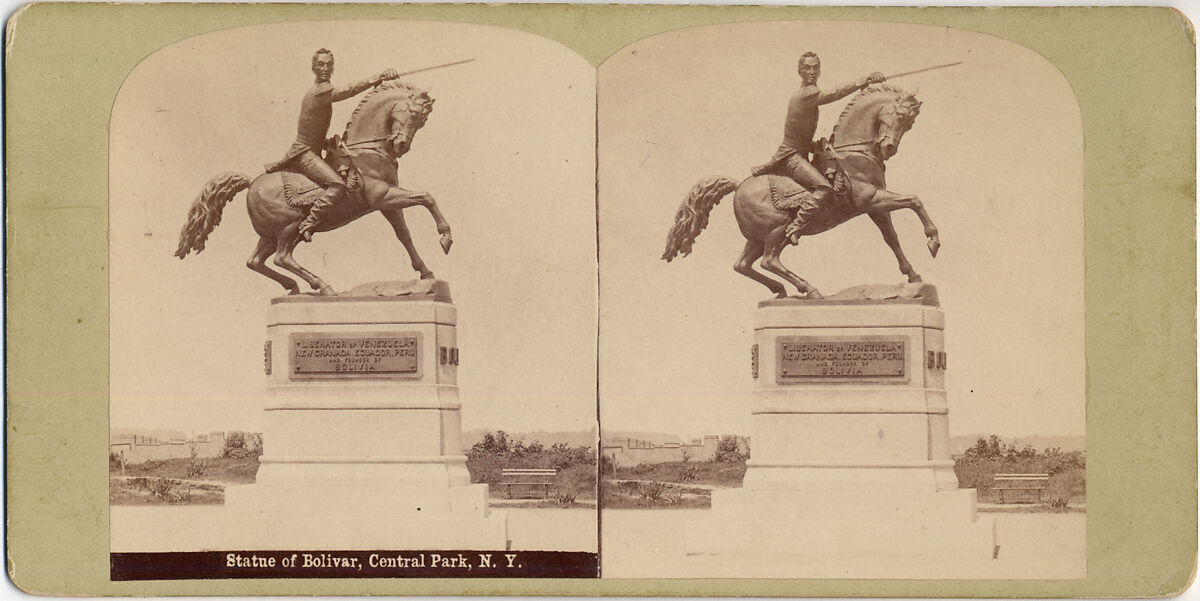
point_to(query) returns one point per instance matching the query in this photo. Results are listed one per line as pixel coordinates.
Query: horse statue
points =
(380, 130)
(867, 133)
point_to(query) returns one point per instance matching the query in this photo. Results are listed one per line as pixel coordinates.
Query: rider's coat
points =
(316, 111)
(798, 128)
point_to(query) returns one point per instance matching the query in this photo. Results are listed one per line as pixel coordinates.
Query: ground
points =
(220, 469)
(642, 543)
(157, 507)
(184, 481)
(179, 481)
(689, 485)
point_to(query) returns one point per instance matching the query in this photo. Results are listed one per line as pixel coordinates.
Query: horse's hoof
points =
(327, 291)
(912, 279)
(813, 295)
(428, 275)
(446, 241)
(934, 244)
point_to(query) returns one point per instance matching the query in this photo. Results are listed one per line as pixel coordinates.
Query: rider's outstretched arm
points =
(841, 91)
(847, 89)
(344, 92)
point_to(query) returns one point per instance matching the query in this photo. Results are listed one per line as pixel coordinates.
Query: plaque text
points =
(823, 359)
(322, 355)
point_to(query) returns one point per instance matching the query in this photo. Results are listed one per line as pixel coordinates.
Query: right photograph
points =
(841, 327)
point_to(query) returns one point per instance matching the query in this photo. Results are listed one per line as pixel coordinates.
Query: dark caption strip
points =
(353, 564)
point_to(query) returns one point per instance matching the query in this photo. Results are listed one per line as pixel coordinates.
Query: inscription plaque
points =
(354, 355)
(804, 358)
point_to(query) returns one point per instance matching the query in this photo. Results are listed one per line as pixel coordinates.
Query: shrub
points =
(977, 467)
(687, 471)
(487, 459)
(254, 443)
(196, 468)
(1065, 486)
(240, 445)
(727, 450)
(1057, 502)
(160, 487)
(578, 480)
(658, 493)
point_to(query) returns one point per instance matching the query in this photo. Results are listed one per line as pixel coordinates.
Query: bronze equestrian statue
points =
(304, 193)
(794, 195)
(304, 157)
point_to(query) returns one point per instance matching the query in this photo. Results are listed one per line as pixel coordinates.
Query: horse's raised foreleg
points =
(396, 218)
(773, 245)
(400, 198)
(887, 201)
(884, 222)
(284, 245)
(745, 266)
(258, 262)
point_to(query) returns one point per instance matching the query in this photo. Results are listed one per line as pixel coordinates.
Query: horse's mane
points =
(869, 92)
(386, 86)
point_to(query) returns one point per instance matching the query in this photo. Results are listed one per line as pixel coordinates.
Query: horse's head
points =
(408, 116)
(390, 114)
(894, 121)
(875, 120)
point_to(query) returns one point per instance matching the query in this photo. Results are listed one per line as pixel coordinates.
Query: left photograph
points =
(353, 306)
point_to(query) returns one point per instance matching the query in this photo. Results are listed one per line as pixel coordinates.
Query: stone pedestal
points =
(362, 437)
(849, 447)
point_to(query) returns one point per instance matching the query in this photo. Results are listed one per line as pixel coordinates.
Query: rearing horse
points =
(380, 130)
(867, 133)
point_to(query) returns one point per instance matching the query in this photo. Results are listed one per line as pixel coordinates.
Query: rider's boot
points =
(321, 206)
(813, 201)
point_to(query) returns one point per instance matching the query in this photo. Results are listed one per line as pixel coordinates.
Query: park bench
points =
(527, 483)
(1019, 488)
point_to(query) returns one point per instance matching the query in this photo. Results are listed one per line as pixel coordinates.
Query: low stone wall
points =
(140, 449)
(623, 452)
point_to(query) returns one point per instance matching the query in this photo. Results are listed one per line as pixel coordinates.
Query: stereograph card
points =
(503, 300)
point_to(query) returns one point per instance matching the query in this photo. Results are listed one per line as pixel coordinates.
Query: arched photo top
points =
(995, 155)
(508, 152)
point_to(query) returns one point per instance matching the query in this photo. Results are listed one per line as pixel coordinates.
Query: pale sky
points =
(509, 153)
(996, 155)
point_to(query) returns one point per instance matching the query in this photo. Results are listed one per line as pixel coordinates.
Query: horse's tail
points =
(692, 216)
(205, 213)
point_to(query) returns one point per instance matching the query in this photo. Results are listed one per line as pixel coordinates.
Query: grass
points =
(141, 490)
(179, 481)
(713, 473)
(653, 495)
(1031, 508)
(541, 504)
(670, 485)
(227, 470)
(680, 485)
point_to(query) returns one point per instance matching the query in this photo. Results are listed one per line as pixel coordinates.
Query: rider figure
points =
(792, 157)
(305, 154)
